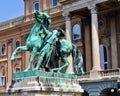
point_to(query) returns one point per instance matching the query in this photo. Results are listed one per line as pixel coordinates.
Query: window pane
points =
(54, 3)
(3, 49)
(36, 6)
(76, 32)
(105, 54)
(0, 81)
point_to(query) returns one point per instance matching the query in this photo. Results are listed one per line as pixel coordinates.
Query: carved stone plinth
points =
(47, 84)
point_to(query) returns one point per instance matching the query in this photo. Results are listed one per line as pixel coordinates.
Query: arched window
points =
(76, 32)
(36, 6)
(2, 76)
(17, 43)
(54, 3)
(104, 56)
(3, 49)
(17, 68)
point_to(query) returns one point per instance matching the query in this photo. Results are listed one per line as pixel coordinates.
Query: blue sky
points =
(10, 9)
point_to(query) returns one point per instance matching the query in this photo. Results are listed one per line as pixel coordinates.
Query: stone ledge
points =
(45, 84)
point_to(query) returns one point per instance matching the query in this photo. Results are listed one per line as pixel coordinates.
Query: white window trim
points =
(79, 33)
(2, 80)
(102, 63)
(38, 5)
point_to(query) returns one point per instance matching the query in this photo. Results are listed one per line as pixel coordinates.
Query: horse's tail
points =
(77, 60)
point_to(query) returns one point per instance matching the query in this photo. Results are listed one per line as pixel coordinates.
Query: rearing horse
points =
(35, 38)
(41, 40)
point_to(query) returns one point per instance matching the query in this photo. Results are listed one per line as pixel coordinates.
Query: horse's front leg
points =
(65, 66)
(20, 48)
(34, 52)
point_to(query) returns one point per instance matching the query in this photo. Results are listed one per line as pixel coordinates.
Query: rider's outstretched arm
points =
(47, 32)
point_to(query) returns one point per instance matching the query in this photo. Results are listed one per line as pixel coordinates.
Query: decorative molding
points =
(9, 41)
(92, 8)
(67, 16)
(3, 60)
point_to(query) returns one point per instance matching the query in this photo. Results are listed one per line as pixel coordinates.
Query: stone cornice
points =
(78, 4)
(66, 1)
(16, 29)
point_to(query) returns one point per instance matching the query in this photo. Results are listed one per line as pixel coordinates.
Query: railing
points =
(4, 94)
(110, 73)
(86, 76)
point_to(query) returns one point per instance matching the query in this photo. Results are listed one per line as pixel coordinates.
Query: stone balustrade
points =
(110, 73)
(86, 76)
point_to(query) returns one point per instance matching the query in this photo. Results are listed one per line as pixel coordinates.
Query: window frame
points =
(104, 63)
(5, 49)
(34, 6)
(15, 43)
(80, 36)
(2, 76)
(52, 3)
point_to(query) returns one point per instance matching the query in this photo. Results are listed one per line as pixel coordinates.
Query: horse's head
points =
(41, 17)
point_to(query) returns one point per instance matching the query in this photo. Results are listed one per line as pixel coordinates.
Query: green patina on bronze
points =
(39, 73)
(42, 40)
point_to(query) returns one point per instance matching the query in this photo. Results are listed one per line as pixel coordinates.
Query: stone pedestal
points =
(38, 83)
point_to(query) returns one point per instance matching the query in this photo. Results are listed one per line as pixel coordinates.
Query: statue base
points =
(32, 83)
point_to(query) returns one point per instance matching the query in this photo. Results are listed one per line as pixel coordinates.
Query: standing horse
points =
(34, 41)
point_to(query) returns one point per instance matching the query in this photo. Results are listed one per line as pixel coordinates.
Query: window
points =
(17, 43)
(104, 56)
(36, 6)
(2, 80)
(2, 77)
(3, 49)
(17, 68)
(54, 3)
(76, 32)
